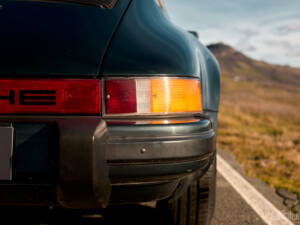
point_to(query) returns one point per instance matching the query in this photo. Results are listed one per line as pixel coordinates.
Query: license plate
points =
(6, 151)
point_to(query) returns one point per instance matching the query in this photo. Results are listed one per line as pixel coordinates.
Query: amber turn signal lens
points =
(175, 95)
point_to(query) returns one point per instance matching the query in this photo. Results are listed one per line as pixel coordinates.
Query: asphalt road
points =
(231, 209)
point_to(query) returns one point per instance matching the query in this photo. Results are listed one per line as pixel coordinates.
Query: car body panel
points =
(55, 39)
(211, 79)
(148, 43)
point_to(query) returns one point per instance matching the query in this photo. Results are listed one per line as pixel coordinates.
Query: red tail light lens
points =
(41, 96)
(120, 96)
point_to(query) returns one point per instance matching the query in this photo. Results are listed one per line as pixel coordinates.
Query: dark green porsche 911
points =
(106, 102)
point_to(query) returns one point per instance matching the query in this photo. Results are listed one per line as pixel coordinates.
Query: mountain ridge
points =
(235, 63)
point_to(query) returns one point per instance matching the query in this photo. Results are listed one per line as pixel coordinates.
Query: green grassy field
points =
(259, 120)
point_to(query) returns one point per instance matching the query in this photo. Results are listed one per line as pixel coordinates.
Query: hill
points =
(260, 116)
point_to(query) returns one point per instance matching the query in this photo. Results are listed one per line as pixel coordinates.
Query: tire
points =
(196, 205)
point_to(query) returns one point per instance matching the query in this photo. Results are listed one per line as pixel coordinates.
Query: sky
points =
(267, 30)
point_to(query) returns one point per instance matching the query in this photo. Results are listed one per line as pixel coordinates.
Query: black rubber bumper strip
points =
(84, 181)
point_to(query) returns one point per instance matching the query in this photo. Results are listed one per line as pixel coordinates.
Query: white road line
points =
(265, 209)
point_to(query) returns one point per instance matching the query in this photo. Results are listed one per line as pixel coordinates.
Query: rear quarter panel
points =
(147, 43)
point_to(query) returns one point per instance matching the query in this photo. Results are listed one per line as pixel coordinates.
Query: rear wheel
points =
(197, 203)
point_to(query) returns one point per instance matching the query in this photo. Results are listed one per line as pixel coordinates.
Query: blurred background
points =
(264, 29)
(257, 44)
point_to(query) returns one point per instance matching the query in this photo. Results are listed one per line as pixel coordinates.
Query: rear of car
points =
(102, 104)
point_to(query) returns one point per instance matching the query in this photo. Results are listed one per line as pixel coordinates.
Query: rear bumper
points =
(100, 162)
